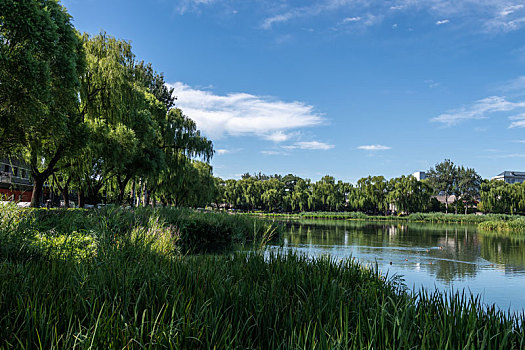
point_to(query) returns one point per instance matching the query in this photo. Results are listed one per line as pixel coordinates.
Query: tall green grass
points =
(122, 282)
(191, 231)
(135, 297)
(515, 226)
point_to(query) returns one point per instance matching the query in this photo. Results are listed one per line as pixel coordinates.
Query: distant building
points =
(420, 175)
(511, 177)
(15, 181)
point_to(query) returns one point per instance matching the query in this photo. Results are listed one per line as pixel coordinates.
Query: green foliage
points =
(500, 197)
(40, 65)
(40, 230)
(41, 61)
(514, 226)
(132, 293)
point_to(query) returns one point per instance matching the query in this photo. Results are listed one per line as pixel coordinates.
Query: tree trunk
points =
(81, 198)
(466, 208)
(65, 195)
(122, 188)
(40, 177)
(38, 185)
(64, 190)
(133, 194)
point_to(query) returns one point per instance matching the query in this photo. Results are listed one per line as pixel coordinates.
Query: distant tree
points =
(300, 195)
(468, 184)
(372, 194)
(443, 179)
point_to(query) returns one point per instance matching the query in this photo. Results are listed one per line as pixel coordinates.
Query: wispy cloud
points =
(309, 145)
(192, 5)
(222, 151)
(274, 153)
(351, 19)
(431, 83)
(507, 155)
(374, 147)
(513, 86)
(479, 110)
(510, 10)
(278, 136)
(509, 18)
(270, 21)
(244, 114)
(518, 121)
(485, 15)
(313, 145)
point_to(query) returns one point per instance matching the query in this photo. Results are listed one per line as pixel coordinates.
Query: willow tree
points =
(41, 60)
(181, 142)
(121, 115)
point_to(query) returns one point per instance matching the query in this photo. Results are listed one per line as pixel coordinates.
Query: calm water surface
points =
(447, 257)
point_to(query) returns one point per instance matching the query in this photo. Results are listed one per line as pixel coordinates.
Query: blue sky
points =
(338, 87)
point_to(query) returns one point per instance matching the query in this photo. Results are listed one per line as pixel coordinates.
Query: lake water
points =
(447, 257)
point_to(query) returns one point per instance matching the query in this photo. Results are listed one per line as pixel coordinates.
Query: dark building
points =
(15, 180)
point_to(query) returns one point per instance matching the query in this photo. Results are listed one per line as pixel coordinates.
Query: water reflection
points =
(428, 255)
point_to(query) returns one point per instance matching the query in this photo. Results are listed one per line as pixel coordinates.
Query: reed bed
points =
(419, 217)
(515, 226)
(116, 287)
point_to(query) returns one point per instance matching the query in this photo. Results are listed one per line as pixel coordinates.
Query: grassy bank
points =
(514, 226)
(419, 217)
(123, 286)
(187, 230)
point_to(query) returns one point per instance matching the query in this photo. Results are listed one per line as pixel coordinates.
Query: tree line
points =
(460, 189)
(87, 116)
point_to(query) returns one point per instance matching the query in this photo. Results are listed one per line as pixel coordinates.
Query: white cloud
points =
(510, 17)
(479, 110)
(268, 22)
(374, 147)
(398, 7)
(509, 155)
(518, 121)
(309, 145)
(244, 114)
(351, 19)
(191, 5)
(274, 153)
(514, 85)
(222, 151)
(431, 83)
(313, 145)
(510, 10)
(489, 15)
(277, 136)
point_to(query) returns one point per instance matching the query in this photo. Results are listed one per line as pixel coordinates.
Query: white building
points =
(420, 175)
(511, 177)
